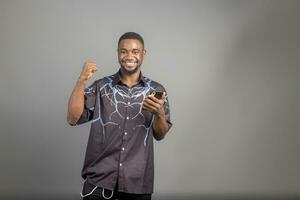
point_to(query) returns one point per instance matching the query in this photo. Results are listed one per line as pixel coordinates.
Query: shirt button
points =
(123, 148)
(127, 117)
(121, 164)
(125, 133)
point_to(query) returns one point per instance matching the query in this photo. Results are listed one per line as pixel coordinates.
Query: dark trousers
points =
(103, 194)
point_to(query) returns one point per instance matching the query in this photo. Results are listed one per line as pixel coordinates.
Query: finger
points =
(156, 100)
(94, 70)
(150, 94)
(151, 102)
(89, 76)
(149, 107)
(88, 69)
(89, 66)
(92, 67)
(147, 104)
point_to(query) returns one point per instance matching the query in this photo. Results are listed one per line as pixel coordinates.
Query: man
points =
(126, 114)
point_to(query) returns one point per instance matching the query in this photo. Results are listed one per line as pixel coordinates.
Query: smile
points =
(129, 62)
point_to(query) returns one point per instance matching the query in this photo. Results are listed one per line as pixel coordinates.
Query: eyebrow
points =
(131, 50)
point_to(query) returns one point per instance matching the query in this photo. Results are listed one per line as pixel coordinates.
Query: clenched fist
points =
(89, 68)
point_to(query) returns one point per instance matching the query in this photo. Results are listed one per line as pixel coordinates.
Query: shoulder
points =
(154, 84)
(104, 80)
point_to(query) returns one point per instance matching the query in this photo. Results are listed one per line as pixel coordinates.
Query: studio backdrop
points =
(231, 69)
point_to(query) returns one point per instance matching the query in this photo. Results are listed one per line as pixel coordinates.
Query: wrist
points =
(82, 79)
(160, 115)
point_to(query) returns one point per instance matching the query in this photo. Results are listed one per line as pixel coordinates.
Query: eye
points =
(136, 52)
(122, 51)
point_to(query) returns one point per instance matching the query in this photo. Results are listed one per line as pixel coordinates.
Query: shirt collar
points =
(117, 79)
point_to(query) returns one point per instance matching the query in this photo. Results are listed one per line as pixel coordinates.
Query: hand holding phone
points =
(154, 102)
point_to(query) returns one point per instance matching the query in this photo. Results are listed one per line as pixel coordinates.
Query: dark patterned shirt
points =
(120, 144)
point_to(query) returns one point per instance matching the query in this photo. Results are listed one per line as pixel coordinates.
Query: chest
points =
(123, 103)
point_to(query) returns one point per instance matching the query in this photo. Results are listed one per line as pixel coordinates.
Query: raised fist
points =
(89, 68)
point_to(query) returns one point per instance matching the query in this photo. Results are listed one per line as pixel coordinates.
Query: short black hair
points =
(131, 35)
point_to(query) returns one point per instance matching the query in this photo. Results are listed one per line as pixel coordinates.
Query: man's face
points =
(130, 55)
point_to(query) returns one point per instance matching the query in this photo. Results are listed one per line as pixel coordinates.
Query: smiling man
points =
(126, 112)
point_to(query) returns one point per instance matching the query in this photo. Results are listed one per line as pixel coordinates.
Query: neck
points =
(130, 79)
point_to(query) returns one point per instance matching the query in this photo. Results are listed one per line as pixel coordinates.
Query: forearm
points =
(160, 126)
(76, 102)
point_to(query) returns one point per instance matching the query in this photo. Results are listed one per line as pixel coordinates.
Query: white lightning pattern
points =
(118, 96)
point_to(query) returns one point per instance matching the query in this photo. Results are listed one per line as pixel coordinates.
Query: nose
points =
(129, 56)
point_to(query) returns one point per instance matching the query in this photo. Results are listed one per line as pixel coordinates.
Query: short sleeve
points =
(167, 110)
(166, 105)
(90, 94)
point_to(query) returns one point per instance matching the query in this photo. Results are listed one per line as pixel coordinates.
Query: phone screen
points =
(158, 95)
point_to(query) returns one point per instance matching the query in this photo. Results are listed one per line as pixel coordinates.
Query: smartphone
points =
(158, 95)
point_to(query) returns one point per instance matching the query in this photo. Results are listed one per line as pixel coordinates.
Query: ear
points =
(144, 52)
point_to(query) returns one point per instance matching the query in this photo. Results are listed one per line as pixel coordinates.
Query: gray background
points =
(231, 69)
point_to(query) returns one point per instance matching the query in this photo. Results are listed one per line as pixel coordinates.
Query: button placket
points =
(122, 149)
